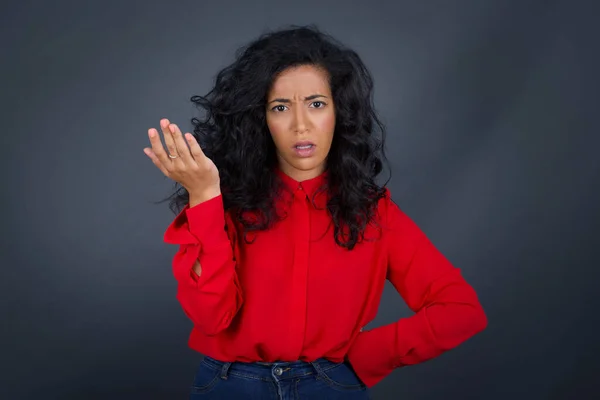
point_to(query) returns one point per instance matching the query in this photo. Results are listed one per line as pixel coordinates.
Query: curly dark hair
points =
(235, 136)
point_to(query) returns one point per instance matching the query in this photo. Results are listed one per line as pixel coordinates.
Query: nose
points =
(301, 121)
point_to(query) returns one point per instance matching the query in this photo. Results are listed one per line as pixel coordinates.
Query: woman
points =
(285, 240)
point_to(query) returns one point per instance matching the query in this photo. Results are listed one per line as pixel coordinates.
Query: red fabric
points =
(294, 294)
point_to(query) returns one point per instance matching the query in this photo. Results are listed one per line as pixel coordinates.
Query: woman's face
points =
(301, 119)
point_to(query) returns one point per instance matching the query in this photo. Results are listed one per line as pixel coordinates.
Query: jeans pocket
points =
(205, 379)
(342, 377)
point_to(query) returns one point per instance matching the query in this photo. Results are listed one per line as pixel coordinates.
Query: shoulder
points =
(386, 206)
(394, 218)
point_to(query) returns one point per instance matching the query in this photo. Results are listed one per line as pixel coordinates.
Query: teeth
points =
(308, 146)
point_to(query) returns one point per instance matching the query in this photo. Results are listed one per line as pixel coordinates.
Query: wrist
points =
(196, 198)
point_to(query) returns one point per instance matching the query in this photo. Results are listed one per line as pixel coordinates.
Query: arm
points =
(447, 311)
(213, 297)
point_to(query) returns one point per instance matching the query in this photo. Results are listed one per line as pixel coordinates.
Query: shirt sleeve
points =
(204, 233)
(446, 307)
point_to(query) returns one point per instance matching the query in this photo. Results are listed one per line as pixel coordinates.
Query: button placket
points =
(301, 235)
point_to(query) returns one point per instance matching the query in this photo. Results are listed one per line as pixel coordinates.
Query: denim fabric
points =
(297, 380)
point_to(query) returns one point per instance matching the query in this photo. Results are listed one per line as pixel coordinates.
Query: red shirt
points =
(294, 294)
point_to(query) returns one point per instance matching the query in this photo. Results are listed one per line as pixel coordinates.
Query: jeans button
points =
(278, 371)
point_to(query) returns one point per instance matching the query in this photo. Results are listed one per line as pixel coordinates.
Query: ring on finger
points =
(172, 157)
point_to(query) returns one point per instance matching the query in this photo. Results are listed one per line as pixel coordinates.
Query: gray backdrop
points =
(488, 105)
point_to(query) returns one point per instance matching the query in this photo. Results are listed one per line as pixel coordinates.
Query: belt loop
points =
(225, 369)
(316, 365)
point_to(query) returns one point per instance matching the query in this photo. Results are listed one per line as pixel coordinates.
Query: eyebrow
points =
(311, 97)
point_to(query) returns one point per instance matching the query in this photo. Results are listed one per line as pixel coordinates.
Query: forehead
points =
(303, 80)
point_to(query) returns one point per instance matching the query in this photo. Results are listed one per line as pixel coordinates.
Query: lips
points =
(303, 144)
(304, 148)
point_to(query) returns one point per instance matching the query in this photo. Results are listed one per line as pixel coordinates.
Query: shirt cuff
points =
(206, 222)
(372, 354)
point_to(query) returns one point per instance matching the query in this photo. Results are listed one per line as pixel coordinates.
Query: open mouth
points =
(304, 149)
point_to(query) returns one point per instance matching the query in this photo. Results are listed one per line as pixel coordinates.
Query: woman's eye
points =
(318, 104)
(279, 108)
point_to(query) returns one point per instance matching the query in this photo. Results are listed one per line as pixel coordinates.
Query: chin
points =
(306, 164)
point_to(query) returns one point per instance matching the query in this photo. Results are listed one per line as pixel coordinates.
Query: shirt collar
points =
(315, 187)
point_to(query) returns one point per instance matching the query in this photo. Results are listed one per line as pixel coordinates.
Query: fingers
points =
(156, 161)
(180, 144)
(157, 147)
(177, 144)
(169, 141)
(195, 148)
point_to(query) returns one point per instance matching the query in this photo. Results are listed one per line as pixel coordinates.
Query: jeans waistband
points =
(278, 370)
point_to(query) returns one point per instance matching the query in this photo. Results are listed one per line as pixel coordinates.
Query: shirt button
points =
(278, 371)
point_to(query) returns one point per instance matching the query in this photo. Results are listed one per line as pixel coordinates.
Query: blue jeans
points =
(297, 380)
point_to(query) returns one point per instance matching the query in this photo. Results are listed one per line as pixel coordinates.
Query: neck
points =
(301, 175)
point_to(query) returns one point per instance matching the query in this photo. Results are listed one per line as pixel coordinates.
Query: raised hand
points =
(186, 165)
